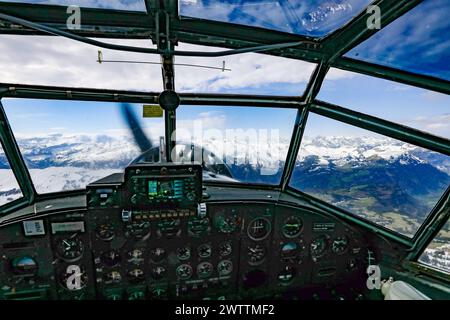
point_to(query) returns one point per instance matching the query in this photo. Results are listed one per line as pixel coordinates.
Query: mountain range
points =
(365, 175)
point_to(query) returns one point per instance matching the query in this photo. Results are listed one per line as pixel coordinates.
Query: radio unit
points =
(162, 186)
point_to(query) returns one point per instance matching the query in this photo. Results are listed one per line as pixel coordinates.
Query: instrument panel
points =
(146, 235)
(236, 250)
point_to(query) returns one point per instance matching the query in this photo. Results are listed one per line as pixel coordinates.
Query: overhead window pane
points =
(62, 62)
(417, 108)
(129, 5)
(249, 73)
(417, 41)
(248, 144)
(9, 188)
(389, 182)
(437, 254)
(69, 144)
(310, 18)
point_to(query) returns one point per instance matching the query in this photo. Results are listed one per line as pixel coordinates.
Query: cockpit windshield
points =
(224, 150)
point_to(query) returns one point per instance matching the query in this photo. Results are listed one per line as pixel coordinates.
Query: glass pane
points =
(437, 254)
(62, 62)
(311, 18)
(386, 181)
(251, 73)
(247, 144)
(421, 33)
(417, 108)
(68, 144)
(130, 5)
(9, 188)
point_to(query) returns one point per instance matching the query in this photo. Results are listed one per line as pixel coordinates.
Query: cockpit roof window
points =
(56, 61)
(248, 73)
(416, 42)
(309, 18)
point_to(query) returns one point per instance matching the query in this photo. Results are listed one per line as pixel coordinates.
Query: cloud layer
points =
(57, 61)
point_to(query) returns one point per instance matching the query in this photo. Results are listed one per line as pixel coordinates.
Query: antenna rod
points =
(223, 68)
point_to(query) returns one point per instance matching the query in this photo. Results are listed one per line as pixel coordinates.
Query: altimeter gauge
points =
(70, 249)
(256, 254)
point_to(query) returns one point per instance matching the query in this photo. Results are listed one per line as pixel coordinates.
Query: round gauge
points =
(319, 246)
(137, 295)
(135, 256)
(138, 230)
(110, 258)
(204, 269)
(105, 232)
(24, 265)
(157, 255)
(70, 249)
(74, 278)
(225, 267)
(292, 227)
(158, 272)
(340, 245)
(225, 249)
(204, 251)
(256, 254)
(184, 253)
(259, 229)
(198, 227)
(136, 275)
(286, 276)
(113, 277)
(289, 251)
(184, 271)
(169, 228)
(227, 222)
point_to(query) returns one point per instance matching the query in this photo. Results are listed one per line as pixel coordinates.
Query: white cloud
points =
(248, 70)
(58, 61)
(438, 124)
(62, 62)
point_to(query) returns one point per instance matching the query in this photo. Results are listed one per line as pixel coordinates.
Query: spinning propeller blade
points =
(138, 133)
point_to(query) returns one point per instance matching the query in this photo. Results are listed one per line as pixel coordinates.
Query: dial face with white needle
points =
(256, 254)
(70, 249)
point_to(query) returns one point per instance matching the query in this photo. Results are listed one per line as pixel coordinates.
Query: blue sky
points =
(417, 41)
(312, 18)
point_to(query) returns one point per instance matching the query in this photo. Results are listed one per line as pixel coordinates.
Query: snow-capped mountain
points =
(63, 162)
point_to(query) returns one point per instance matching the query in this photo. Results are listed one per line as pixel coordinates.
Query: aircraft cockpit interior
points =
(224, 150)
